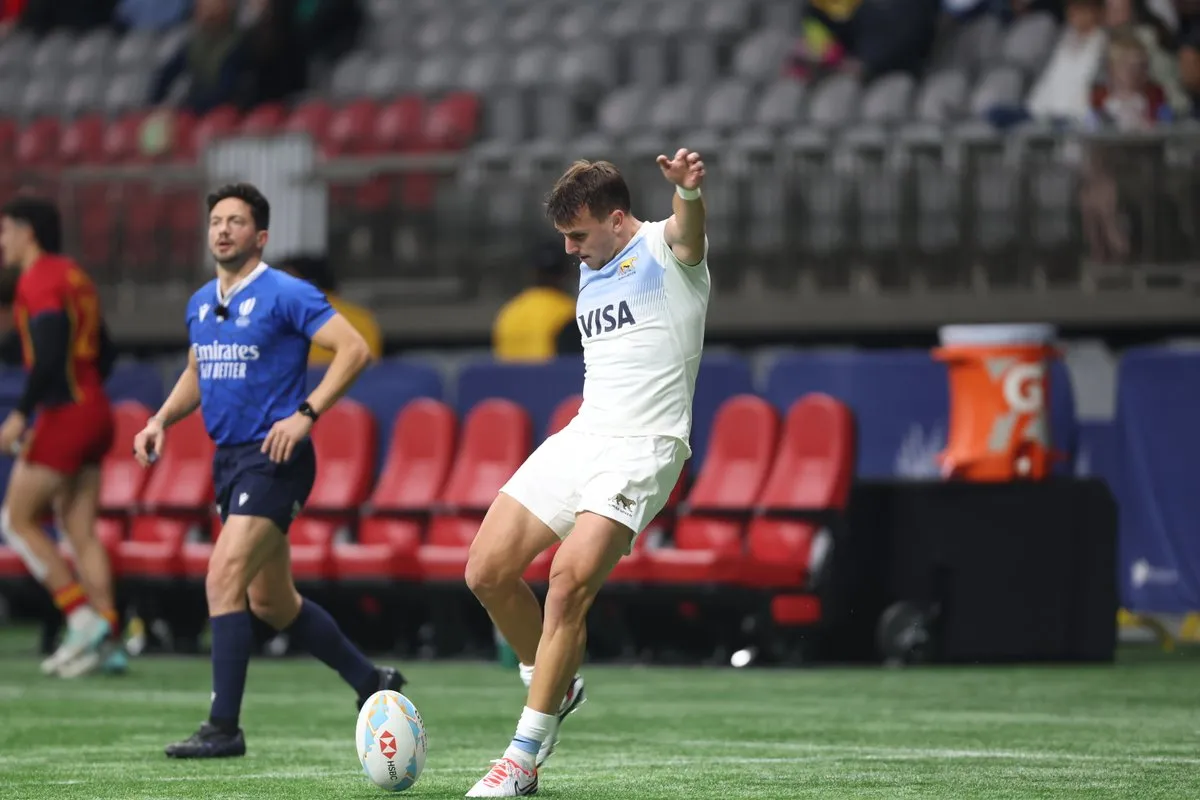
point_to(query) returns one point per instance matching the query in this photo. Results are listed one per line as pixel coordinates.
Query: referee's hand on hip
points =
(285, 435)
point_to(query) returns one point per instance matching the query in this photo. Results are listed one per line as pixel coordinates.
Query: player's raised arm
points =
(183, 400)
(685, 231)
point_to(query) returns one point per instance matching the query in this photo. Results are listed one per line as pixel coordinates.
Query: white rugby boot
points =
(86, 636)
(506, 778)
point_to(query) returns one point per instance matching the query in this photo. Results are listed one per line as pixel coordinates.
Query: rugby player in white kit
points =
(643, 298)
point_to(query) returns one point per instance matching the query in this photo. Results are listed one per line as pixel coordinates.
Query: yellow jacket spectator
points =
(527, 327)
(316, 270)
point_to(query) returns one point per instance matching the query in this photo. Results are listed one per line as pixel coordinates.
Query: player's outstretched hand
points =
(686, 169)
(285, 435)
(147, 445)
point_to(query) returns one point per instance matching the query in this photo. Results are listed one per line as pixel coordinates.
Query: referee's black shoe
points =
(209, 742)
(388, 678)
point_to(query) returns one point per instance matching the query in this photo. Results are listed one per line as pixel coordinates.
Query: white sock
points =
(526, 674)
(532, 730)
(83, 618)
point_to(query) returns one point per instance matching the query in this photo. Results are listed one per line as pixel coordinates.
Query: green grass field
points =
(1128, 731)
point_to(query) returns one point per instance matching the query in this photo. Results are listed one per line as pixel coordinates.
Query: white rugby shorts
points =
(627, 479)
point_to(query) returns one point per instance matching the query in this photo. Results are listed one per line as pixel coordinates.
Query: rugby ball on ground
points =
(391, 741)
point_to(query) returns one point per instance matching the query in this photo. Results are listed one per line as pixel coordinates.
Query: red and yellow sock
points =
(70, 599)
(114, 623)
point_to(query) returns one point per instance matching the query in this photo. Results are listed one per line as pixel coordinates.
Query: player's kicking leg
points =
(509, 539)
(250, 547)
(78, 508)
(32, 489)
(580, 567)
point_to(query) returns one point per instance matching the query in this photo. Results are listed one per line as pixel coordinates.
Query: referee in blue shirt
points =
(250, 331)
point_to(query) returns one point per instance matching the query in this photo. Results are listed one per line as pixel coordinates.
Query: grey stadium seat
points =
(53, 54)
(942, 96)
(437, 73)
(699, 61)
(436, 33)
(727, 18)
(16, 51)
(578, 22)
(391, 35)
(676, 107)
(170, 43)
(648, 62)
(672, 19)
(94, 52)
(999, 86)
(781, 104)
(84, 93)
(10, 95)
(485, 70)
(592, 67)
(350, 76)
(483, 29)
(628, 19)
(42, 96)
(761, 55)
(621, 111)
(387, 77)
(531, 27)
(888, 99)
(833, 101)
(536, 66)
(1029, 42)
(970, 46)
(136, 50)
(728, 106)
(126, 92)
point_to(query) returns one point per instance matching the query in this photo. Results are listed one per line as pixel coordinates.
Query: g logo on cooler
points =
(1022, 388)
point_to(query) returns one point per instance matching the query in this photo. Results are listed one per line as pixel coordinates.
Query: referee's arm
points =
(351, 355)
(184, 398)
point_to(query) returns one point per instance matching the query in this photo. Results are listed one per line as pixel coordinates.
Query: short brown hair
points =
(594, 185)
(260, 208)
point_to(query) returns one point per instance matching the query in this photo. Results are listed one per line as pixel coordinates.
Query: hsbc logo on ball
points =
(387, 744)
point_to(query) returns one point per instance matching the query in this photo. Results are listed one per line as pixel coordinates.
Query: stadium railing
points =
(909, 214)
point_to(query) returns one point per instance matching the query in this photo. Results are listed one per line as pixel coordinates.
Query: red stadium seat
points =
(122, 138)
(196, 553)
(8, 142)
(37, 143)
(220, 122)
(263, 120)
(398, 126)
(345, 441)
(82, 141)
(453, 122)
(812, 473)
(708, 538)
(311, 118)
(418, 461)
(496, 438)
(350, 128)
(177, 499)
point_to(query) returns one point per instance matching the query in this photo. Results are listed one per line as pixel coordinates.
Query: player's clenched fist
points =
(147, 445)
(685, 170)
(285, 435)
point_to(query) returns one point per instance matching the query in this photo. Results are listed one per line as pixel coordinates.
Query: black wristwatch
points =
(307, 410)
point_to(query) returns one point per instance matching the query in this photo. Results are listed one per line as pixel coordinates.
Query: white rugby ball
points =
(391, 741)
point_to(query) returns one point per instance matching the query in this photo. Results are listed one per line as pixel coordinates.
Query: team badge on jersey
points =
(625, 268)
(244, 312)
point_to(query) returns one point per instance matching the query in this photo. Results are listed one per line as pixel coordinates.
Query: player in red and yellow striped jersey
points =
(66, 351)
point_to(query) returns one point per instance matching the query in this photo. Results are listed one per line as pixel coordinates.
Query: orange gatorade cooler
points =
(999, 401)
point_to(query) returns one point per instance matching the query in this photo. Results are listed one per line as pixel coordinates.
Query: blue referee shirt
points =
(253, 363)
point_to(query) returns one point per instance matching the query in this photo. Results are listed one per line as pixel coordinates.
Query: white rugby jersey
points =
(641, 318)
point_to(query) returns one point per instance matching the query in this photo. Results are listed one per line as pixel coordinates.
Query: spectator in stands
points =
(1063, 90)
(866, 39)
(10, 14)
(213, 57)
(529, 326)
(1157, 37)
(276, 61)
(1189, 70)
(152, 15)
(1127, 101)
(42, 16)
(328, 29)
(318, 271)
